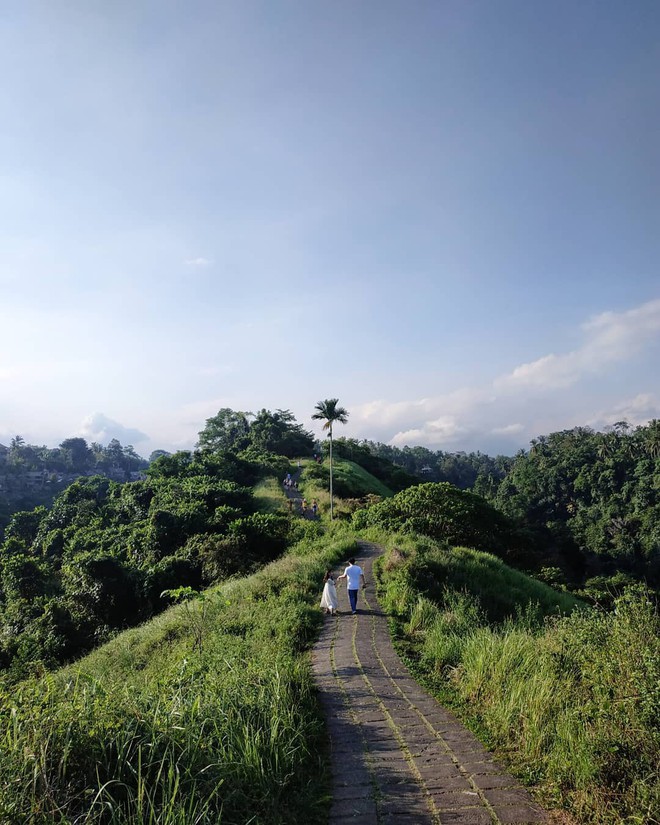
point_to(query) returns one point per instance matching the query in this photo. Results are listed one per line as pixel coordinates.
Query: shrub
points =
(442, 512)
(265, 535)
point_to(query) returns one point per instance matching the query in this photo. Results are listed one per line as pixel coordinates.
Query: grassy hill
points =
(350, 482)
(567, 694)
(204, 715)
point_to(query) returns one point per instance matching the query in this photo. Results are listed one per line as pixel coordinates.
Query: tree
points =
(278, 432)
(78, 453)
(227, 430)
(157, 454)
(131, 460)
(17, 442)
(329, 412)
(652, 441)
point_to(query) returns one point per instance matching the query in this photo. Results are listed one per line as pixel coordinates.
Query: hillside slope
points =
(570, 701)
(206, 714)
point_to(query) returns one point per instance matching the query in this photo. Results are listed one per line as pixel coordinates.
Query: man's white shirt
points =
(353, 573)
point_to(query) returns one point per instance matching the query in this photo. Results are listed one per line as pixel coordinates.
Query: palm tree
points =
(329, 412)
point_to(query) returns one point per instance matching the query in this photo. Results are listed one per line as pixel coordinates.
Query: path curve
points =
(397, 756)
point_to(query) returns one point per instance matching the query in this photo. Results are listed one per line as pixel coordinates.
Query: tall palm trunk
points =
(329, 412)
(331, 510)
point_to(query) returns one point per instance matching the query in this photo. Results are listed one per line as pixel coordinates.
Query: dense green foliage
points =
(501, 590)
(460, 469)
(206, 715)
(31, 475)
(269, 432)
(445, 513)
(572, 702)
(100, 557)
(592, 498)
(73, 455)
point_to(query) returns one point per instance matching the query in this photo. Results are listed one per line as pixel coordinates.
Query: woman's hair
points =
(328, 576)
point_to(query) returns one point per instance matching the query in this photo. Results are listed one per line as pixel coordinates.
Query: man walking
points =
(354, 577)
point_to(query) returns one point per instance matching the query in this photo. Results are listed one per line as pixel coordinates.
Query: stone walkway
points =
(398, 757)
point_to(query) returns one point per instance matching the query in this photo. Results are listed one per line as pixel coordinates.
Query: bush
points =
(442, 512)
(265, 535)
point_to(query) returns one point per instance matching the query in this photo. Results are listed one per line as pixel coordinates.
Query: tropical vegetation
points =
(568, 695)
(204, 716)
(193, 589)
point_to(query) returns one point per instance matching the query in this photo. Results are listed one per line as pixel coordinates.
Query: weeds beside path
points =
(397, 756)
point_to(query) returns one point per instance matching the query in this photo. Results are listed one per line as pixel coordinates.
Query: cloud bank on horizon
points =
(501, 415)
(469, 417)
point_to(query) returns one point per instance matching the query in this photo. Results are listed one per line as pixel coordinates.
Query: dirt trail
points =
(398, 757)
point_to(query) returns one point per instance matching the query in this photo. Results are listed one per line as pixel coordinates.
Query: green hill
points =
(350, 482)
(206, 714)
(570, 701)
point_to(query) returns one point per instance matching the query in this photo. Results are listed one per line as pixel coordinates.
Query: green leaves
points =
(442, 512)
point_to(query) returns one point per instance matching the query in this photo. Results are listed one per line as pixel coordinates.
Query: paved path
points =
(296, 498)
(398, 757)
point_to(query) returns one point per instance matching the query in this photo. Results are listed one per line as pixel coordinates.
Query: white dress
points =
(329, 597)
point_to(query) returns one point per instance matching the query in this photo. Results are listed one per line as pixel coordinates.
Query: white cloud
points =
(436, 412)
(636, 411)
(474, 416)
(98, 427)
(509, 429)
(611, 337)
(198, 262)
(446, 430)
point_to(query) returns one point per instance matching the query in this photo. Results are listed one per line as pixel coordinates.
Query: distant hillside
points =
(394, 476)
(460, 469)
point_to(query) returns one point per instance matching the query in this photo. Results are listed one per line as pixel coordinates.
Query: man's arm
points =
(364, 584)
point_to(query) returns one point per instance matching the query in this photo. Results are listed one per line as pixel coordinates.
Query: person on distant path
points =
(329, 601)
(315, 508)
(303, 506)
(354, 577)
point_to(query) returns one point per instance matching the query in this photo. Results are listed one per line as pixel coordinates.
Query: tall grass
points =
(156, 727)
(573, 701)
(270, 497)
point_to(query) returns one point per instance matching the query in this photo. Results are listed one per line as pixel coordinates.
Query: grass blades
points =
(155, 727)
(572, 700)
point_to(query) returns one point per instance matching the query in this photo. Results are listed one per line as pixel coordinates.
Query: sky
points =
(445, 213)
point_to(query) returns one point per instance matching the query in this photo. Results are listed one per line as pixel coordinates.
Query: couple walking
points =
(354, 578)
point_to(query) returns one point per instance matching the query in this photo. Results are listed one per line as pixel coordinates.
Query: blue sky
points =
(447, 214)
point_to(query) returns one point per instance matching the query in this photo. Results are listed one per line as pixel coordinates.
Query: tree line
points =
(73, 455)
(459, 468)
(593, 502)
(102, 557)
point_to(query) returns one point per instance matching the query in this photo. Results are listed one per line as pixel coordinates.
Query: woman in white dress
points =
(329, 598)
